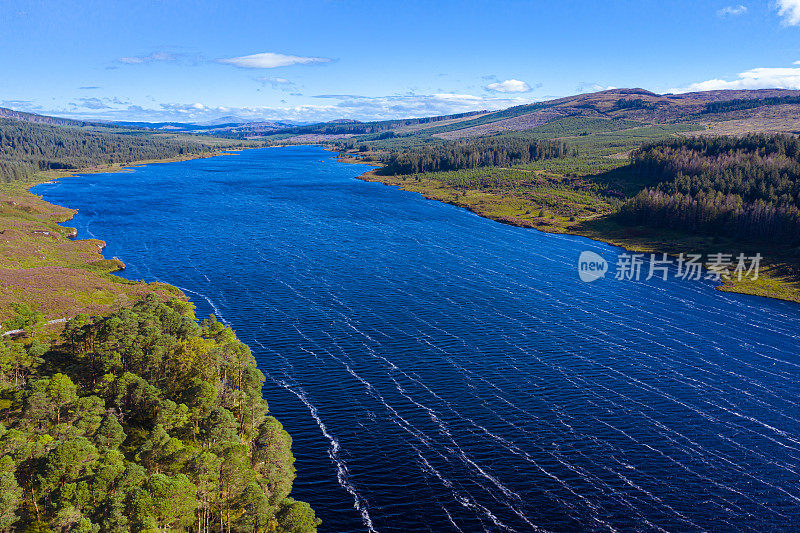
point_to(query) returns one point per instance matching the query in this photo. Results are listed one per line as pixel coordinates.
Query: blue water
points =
(442, 372)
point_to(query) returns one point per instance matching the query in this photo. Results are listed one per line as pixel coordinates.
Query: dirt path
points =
(19, 331)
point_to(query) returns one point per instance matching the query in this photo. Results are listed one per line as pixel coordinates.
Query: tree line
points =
(634, 103)
(143, 420)
(475, 153)
(27, 147)
(739, 104)
(747, 187)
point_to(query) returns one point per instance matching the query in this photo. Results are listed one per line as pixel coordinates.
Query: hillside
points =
(43, 119)
(628, 104)
(773, 111)
(34, 143)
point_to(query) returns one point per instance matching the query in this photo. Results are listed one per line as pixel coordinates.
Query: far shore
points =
(48, 176)
(771, 283)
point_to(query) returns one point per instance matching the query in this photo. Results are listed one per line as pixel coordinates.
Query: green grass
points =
(517, 196)
(575, 126)
(511, 112)
(102, 266)
(60, 277)
(579, 166)
(610, 143)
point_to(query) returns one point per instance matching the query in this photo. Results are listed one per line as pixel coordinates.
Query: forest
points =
(748, 103)
(144, 420)
(633, 103)
(746, 187)
(474, 153)
(28, 147)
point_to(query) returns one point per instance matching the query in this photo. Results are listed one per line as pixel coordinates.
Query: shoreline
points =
(44, 264)
(770, 283)
(119, 167)
(94, 270)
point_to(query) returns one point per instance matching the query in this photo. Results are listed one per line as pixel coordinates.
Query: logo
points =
(591, 266)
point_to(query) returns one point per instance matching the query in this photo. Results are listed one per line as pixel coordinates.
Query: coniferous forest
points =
(28, 147)
(143, 420)
(746, 187)
(739, 104)
(484, 152)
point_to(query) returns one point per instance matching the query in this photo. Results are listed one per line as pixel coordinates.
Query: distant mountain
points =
(631, 104)
(225, 121)
(169, 126)
(220, 126)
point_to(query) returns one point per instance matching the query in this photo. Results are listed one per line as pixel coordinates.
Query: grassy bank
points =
(41, 265)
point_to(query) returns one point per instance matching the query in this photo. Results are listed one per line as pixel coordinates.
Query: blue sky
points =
(311, 61)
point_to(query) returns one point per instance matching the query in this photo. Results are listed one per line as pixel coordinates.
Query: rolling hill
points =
(772, 111)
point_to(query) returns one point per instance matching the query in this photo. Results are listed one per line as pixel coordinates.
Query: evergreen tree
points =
(171, 435)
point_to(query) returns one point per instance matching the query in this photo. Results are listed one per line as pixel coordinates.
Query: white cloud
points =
(592, 87)
(732, 11)
(94, 103)
(271, 60)
(509, 86)
(277, 83)
(790, 11)
(22, 105)
(340, 106)
(414, 105)
(757, 78)
(155, 56)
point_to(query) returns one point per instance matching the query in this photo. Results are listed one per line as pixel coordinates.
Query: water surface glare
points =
(442, 372)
